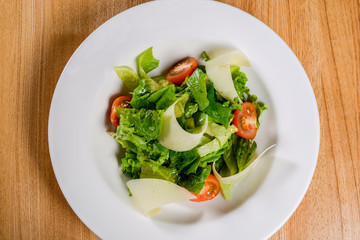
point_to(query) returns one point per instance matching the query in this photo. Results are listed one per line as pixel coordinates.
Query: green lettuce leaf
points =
(161, 99)
(240, 79)
(141, 122)
(149, 169)
(197, 87)
(182, 160)
(128, 76)
(217, 111)
(221, 135)
(194, 182)
(260, 107)
(146, 63)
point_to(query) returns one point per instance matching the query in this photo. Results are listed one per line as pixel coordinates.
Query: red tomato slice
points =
(123, 102)
(210, 190)
(181, 70)
(245, 121)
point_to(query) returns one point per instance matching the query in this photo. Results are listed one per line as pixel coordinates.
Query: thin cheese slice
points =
(241, 175)
(174, 137)
(237, 58)
(218, 71)
(150, 194)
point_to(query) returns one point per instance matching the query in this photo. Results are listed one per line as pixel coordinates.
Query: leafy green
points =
(217, 111)
(245, 151)
(260, 106)
(197, 87)
(221, 135)
(194, 182)
(237, 156)
(163, 98)
(141, 122)
(226, 190)
(162, 81)
(182, 160)
(128, 76)
(205, 56)
(146, 63)
(190, 109)
(213, 145)
(240, 79)
(131, 165)
(140, 96)
(199, 118)
(229, 156)
(143, 97)
(149, 169)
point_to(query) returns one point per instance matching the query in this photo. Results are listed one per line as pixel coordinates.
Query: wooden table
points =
(37, 39)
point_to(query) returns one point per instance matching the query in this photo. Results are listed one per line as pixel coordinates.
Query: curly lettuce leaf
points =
(260, 107)
(140, 122)
(239, 79)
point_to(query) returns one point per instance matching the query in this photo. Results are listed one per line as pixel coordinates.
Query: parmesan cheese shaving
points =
(150, 194)
(174, 137)
(218, 71)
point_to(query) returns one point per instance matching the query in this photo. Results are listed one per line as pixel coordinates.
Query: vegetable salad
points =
(181, 128)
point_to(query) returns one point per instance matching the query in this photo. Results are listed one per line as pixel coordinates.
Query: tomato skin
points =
(210, 190)
(182, 69)
(122, 102)
(245, 121)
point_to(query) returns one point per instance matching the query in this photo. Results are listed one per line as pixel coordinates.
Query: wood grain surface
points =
(39, 36)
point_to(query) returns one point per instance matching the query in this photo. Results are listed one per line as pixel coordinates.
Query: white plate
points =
(84, 156)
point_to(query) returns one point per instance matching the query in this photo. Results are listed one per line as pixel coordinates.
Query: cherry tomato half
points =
(123, 102)
(245, 121)
(181, 70)
(210, 190)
